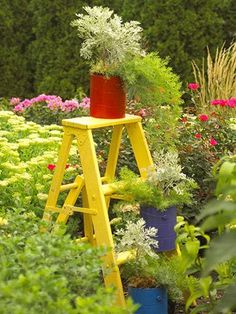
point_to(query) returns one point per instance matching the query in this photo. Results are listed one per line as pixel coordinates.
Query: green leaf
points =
(214, 207)
(221, 219)
(220, 251)
(228, 301)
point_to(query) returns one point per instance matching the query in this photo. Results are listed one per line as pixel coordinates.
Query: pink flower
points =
(193, 86)
(51, 167)
(14, 101)
(231, 102)
(142, 113)
(213, 142)
(203, 117)
(198, 135)
(85, 103)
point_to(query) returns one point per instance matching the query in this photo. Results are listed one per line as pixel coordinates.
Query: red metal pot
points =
(107, 97)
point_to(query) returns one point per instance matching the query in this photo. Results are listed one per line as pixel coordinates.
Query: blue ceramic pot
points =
(151, 300)
(165, 222)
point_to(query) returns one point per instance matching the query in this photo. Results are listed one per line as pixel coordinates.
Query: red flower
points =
(51, 167)
(203, 117)
(193, 86)
(198, 135)
(213, 142)
(184, 119)
(231, 102)
(67, 166)
(220, 102)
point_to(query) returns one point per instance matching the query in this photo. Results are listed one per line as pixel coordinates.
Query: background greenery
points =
(39, 49)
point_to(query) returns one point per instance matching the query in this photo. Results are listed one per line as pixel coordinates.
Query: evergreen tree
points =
(59, 68)
(15, 30)
(180, 29)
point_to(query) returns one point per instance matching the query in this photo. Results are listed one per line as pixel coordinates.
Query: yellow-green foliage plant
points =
(216, 77)
(28, 154)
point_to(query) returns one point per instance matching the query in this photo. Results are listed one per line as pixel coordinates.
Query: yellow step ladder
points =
(96, 191)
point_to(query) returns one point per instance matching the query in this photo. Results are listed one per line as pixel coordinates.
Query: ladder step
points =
(84, 239)
(69, 209)
(125, 256)
(84, 210)
(69, 186)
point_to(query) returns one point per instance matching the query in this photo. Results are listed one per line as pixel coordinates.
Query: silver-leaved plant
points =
(107, 40)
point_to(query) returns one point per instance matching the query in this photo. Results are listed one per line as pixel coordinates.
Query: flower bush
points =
(48, 109)
(204, 137)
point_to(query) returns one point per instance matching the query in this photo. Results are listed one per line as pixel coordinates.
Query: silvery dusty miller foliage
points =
(136, 237)
(107, 40)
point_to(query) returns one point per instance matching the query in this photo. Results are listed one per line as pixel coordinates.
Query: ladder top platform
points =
(94, 123)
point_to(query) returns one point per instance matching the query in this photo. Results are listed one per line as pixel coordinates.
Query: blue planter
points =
(165, 222)
(151, 300)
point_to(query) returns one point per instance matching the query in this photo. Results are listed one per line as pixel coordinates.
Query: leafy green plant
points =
(165, 185)
(150, 81)
(147, 269)
(220, 259)
(49, 272)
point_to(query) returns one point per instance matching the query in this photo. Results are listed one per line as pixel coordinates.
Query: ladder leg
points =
(88, 223)
(96, 200)
(58, 175)
(113, 156)
(71, 199)
(140, 147)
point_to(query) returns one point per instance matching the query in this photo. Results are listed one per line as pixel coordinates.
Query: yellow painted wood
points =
(88, 223)
(58, 175)
(96, 199)
(96, 190)
(113, 156)
(95, 123)
(85, 210)
(69, 186)
(70, 200)
(123, 257)
(140, 147)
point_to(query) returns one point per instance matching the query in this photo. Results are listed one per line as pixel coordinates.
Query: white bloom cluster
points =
(107, 39)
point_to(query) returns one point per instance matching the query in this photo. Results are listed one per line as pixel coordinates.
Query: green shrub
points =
(41, 272)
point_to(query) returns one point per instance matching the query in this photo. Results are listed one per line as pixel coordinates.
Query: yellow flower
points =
(3, 222)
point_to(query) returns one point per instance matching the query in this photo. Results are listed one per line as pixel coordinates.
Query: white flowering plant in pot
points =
(107, 40)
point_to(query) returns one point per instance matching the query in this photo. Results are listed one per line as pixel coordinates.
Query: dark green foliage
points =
(179, 29)
(39, 50)
(15, 31)
(55, 51)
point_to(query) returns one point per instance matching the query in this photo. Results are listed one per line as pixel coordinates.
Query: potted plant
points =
(107, 42)
(165, 188)
(119, 66)
(151, 279)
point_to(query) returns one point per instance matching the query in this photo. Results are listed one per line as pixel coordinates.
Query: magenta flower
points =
(231, 102)
(213, 142)
(193, 86)
(203, 117)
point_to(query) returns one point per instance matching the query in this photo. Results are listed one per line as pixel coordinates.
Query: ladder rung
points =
(84, 239)
(70, 209)
(69, 186)
(125, 256)
(84, 210)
